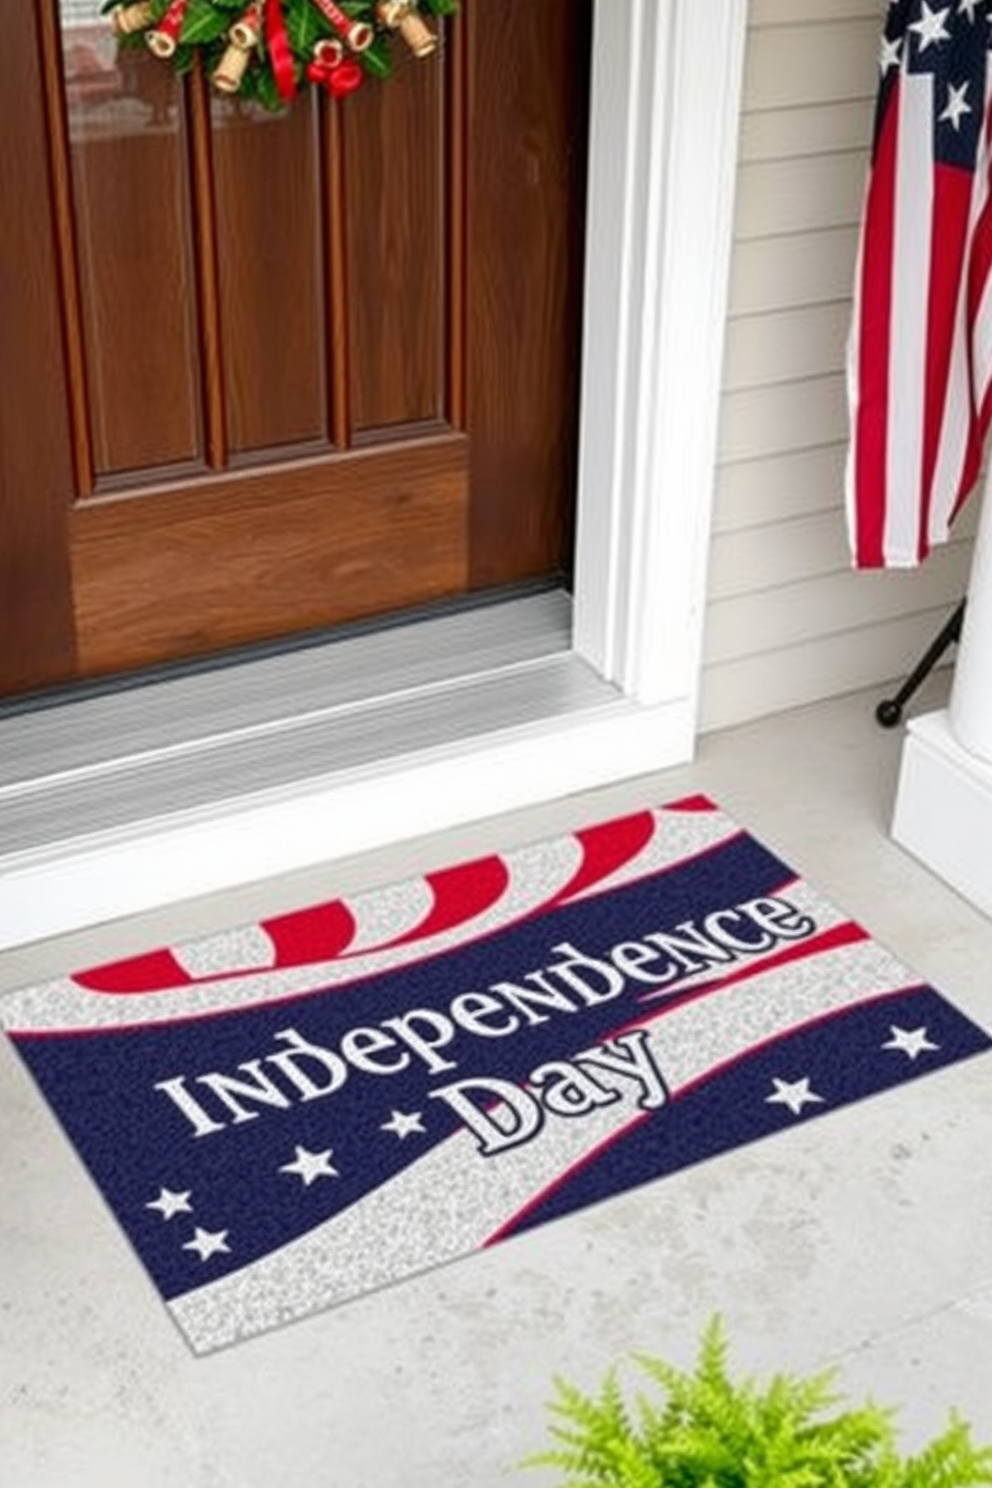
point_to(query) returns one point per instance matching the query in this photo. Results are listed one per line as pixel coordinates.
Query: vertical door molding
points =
(665, 117)
(37, 636)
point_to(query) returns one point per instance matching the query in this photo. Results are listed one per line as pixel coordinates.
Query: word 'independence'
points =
(301, 1069)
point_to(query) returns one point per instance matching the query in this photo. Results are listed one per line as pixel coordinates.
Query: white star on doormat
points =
(911, 1041)
(795, 1094)
(169, 1203)
(207, 1243)
(404, 1124)
(311, 1165)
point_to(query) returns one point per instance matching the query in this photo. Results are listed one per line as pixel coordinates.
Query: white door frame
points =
(664, 124)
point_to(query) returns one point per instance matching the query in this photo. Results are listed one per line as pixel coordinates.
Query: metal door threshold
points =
(209, 742)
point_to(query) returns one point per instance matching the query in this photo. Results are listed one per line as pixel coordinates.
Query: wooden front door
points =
(262, 374)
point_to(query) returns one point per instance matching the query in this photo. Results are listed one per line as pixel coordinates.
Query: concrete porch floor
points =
(863, 1240)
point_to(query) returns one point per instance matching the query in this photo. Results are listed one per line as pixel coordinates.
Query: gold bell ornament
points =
(242, 39)
(128, 19)
(404, 17)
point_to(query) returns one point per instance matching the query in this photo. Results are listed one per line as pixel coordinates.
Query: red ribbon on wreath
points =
(332, 70)
(279, 50)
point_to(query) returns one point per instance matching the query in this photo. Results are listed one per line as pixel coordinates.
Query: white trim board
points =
(664, 121)
(943, 810)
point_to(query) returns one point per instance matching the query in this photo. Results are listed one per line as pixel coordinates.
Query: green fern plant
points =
(709, 1431)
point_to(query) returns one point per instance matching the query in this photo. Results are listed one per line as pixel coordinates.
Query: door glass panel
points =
(130, 191)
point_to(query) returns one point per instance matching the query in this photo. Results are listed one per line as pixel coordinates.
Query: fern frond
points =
(950, 1460)
(597, 1445)
(707, 1430)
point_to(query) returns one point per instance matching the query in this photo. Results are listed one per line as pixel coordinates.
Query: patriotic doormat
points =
(290, 1114)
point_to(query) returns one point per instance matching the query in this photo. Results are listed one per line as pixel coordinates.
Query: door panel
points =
(267, 219)
(267, 374)
(400, 213)
(392, 515)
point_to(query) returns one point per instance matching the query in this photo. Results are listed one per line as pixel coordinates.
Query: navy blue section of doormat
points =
(284, 1116)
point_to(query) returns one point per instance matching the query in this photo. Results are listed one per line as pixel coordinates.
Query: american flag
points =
(285, 1115)
(920, 349)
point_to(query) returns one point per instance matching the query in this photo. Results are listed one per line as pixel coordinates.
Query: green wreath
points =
(268, 50)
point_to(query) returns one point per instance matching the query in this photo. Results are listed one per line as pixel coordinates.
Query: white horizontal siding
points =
(786, 345)
(812, 129)
(811, 12)
(802, 195)
(837, 601)
(761, 421)
(824, 61)
(830, 665)
(778, 488)
(788, 619)
(809, 267)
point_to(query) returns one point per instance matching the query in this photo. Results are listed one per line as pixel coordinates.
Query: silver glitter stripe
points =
(696, 1038)
(382, 915)
(232, 950)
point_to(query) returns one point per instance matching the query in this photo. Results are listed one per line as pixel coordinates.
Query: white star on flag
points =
(311, 1165)
(911, 1041)
(955, 106)
(930, 27)
(968, 8)
(169, 1203)
(794, 1094)
(207, 1243)
(403, 1124)
(889, 55)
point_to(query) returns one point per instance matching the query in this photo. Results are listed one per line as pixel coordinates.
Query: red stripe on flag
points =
(979, 262)
(985, 414)
(874, 308)
(952, 190)
(979, 270)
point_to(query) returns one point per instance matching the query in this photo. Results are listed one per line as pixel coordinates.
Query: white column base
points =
(943, 811)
